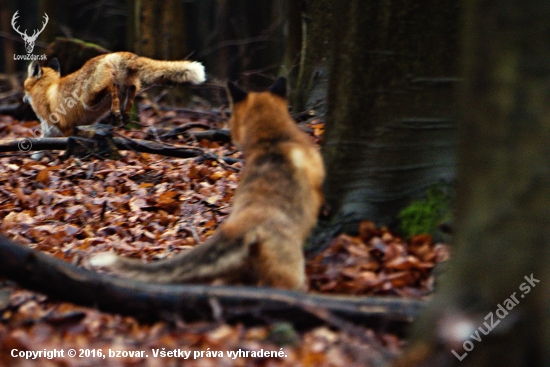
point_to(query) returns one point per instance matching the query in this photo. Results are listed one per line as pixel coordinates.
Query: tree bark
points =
(390, 125)
(316, 27)
(503, 211)
(49, 7)
(158, 31)
(7, 45)
(293, 43)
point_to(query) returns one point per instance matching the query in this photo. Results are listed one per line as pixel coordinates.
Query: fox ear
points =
(54, 64)
(236, 93)
(35, 70)
(279, 87)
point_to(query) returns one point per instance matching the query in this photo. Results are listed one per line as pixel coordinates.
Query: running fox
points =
(275, 206)
(105, 83)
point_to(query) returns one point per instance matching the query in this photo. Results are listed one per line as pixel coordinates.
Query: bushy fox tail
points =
(217, 258)
(168, 72)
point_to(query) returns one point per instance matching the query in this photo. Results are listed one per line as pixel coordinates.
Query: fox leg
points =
(285, 276)
(115, 103)
(280, 267)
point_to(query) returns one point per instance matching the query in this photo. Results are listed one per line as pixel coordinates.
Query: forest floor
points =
(150, 207)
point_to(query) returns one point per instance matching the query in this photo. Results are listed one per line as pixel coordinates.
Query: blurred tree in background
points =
(390, 124)
(502, 242)
(389, 69)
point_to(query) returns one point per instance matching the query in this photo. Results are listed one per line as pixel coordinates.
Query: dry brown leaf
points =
(43, 176)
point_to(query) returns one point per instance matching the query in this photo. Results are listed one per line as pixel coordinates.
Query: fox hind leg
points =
(281, 269)
(113, 90)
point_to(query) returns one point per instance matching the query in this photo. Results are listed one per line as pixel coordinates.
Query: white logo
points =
(29, 40)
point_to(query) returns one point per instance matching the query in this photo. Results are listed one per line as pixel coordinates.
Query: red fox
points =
(106, 83)
(275, 206)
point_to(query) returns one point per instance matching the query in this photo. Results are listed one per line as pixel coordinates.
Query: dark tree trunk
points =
(146, 20)
(158, 30)
(316, 34)
(293, 42)
(390, 125)
(52, 9)
(7, 45)
(503, 213)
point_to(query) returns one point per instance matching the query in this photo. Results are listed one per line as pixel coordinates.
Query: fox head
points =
(249, 107)
(237, 94)
(40, 78)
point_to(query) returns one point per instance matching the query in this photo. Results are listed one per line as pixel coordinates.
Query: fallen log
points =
(63, 281)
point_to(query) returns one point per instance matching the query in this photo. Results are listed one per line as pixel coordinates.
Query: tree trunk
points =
(293, 43)
(503, 213)
(146, 22)
(390, 125)
(316, 22)
(49, 7)
(7, 44)
(157, 30)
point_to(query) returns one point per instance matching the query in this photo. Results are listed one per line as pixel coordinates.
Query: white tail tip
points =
(196, 71)
(104, 259)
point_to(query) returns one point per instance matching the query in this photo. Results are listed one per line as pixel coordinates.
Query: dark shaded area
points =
(390, 124)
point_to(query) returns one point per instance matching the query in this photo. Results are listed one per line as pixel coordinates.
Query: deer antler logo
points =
(29, 40)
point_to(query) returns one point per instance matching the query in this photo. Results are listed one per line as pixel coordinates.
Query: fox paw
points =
(120, 119)
(38, 155)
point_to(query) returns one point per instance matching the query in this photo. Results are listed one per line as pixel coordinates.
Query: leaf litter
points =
(151, 207)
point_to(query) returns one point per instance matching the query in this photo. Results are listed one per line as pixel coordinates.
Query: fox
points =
(105, 84)
(275, 206)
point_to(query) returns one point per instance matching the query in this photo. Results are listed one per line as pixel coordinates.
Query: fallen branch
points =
(215, 135)
(221, 135)
(142, 146)
(66, 282)
(182, 129)
(213, 113)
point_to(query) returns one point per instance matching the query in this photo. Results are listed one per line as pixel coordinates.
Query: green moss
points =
(283, 333)
(423, 216)
(134, 118)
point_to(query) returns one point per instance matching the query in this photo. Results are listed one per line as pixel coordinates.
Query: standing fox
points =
(104, 84)
(275, 206)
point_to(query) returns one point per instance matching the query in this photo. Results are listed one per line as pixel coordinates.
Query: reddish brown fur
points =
(275, 208)
(101, 86)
